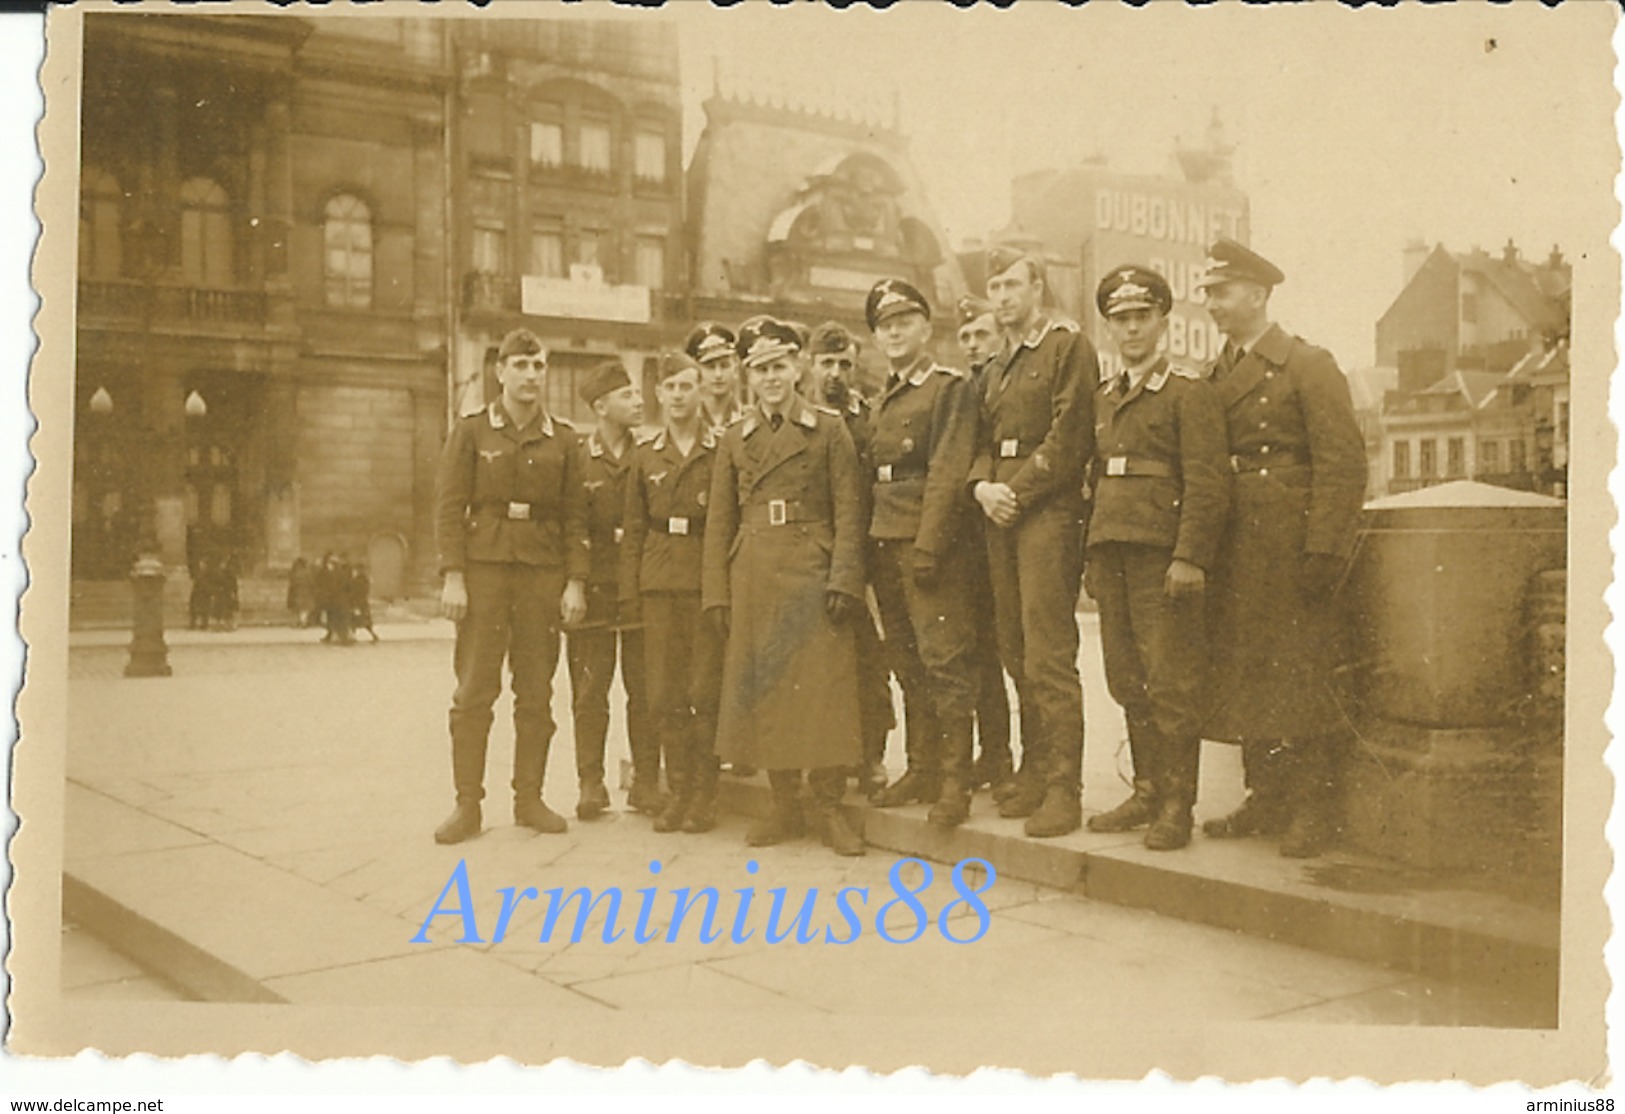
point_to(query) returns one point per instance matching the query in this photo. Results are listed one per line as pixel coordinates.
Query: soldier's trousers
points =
(1035, 567)
(513, 615)
(1155, 651)
(934, 624)
(875, 715)
(684, 674)
(590, 652)
(992, 701)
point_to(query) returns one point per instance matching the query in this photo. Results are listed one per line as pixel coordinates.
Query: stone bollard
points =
(1453, 764)
(149, 654)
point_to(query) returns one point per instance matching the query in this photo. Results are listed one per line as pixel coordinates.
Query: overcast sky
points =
(1356, 130)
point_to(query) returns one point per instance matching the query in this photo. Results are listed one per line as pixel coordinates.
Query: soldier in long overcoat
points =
(783, 571)
(1298, 463)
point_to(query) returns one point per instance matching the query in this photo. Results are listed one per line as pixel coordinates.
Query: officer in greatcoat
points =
(979, 341)
(1298, 462)
(924, 438)
(783, 573)
(1036, 433)
(830, 380)
(1161, 483)
(513, 552)
(603, 458)
(667, 494)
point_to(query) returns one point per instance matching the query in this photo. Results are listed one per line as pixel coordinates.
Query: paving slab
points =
(444, 977)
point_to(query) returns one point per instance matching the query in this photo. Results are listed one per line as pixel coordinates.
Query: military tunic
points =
(661, 565)
(591, 647)
(1161, 482)
(1036, 432)
(1299, 481)
(783, 529)
(508, 515)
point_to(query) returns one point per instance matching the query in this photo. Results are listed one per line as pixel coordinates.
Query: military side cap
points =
(1001, 257)
(1228, 261)
(606, 377)
(669, 363)
(891, 297)
(1133, 287)
(708, 341)
(971, 307)
(520, 342)
(831, 336)
(764, 339)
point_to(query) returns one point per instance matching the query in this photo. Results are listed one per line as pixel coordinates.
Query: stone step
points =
(1342, 904)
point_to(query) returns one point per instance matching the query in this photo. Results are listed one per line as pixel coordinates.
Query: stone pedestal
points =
(149, 653)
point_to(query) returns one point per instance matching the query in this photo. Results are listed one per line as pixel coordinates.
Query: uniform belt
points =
(1136, 466)
(679, 525)
(1267, 458)
(780, 512)
(1014, 448)
(896, 473)
(521, 512)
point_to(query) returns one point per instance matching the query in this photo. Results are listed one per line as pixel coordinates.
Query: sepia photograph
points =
(1043, 538)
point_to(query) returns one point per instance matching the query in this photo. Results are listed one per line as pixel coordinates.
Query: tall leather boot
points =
(958, 772)
(530, 747)
(1311, 797)
(828, 787)
(679, 780)
(468, 778)
(1264, 810)
(1027, 771)
(1171, 829)
(784, 820)
(922, 781)
(1141, 808)
(703, 771)
(1061, 811)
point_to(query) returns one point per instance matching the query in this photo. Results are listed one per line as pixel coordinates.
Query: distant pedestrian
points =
(225, 600)
(301, 594)
(359, 599)
(200, 604)
(332, 584)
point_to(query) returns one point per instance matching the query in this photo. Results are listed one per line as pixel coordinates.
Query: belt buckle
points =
(1117, 466)
(1235, 464)
(677, 526)
(519, 511)
(620, 532)
(1009, 447)
(778, 512)
(883, 473)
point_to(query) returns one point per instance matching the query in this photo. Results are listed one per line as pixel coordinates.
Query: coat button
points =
(1263, 471)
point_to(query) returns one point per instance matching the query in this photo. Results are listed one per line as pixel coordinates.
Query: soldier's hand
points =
(925, 568)
(1318, 574)
(839, 607)
(454, 597)
(719, 617)
(573, 604)
(998, 502)
(1183, 579)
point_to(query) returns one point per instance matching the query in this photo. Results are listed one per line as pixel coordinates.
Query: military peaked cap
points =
(891, 297)
(1228, 261)
(708, 341)
(1132, 287)
(764, 339)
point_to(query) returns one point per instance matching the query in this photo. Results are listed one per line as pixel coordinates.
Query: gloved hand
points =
(1318, 575)
(839, 606)
(925, 568)
(719, 617)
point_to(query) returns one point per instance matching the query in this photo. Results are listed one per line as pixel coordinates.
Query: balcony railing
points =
(141, 301)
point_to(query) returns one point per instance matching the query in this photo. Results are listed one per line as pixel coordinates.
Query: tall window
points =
(490, 248)
(547, 144)
(101, 239)
(1515, 455)
(589, 247)
(1455, 457)
(547, 250)
(1489, 457)
(651, 262)
(1429, 457)
(650, 156)
(206, 246)
(347, 236)
(595, 146)
(1402, 460)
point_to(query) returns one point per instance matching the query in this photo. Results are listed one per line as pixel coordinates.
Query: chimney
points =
(1555, 260)
(1509, 254)
(1415, 254)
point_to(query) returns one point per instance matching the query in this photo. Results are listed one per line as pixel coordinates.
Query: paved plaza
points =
(270, 807)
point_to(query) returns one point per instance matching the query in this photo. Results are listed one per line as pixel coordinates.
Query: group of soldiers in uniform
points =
(781, 547)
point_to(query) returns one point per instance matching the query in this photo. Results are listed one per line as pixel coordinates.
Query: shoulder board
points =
(830, 410)
(1184, 371)
(953, 372)
(566, 425)
(1065, 324)
(645, 438)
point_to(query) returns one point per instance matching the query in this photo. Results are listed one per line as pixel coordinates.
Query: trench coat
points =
(783, 529)
(1299, 471)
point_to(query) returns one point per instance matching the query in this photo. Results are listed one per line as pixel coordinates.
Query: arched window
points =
(206, 242)
(347, 234)
(101, 239)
